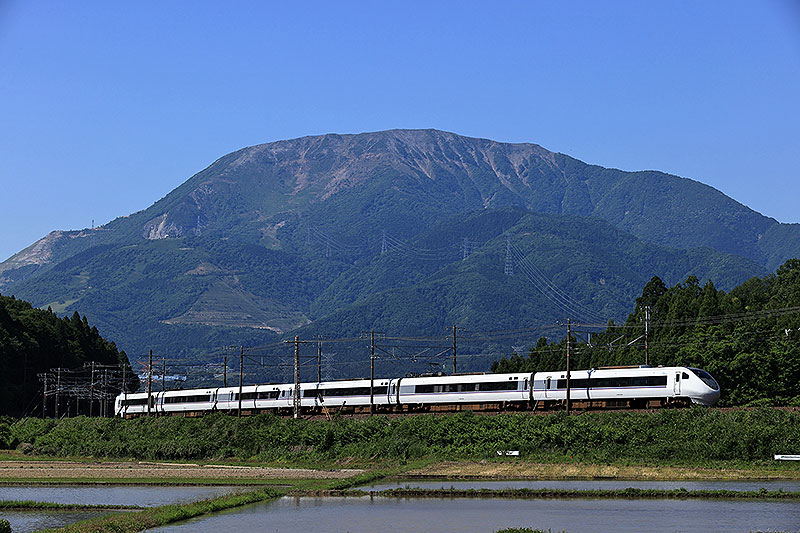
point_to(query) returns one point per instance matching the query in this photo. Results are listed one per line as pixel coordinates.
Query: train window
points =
(246, 396)
(613, 382)
(187, 399)
(706, 377)
(350, 391)
(497, 386)
(685, 375)
(135, 401)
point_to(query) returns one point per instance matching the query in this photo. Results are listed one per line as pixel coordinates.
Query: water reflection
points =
(369, 514)
(145, 496)
(26, 521)
(784, 485)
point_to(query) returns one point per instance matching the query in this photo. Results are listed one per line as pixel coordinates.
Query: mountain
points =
(321, 233)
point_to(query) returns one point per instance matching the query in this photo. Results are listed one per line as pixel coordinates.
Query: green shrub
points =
(693, 436)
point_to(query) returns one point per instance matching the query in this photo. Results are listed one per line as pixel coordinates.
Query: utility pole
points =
(58, 391)
(149, 381)
(296, 399)
(319, 360)
(372, 373)
(91, 393)
(569, 333)
(123, 407)
(646, 331)
(225, 371)
(241, 377)
(104, 405)
(44, 398)
(454, 349)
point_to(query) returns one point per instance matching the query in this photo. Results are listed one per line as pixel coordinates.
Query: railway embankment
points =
(681, 443)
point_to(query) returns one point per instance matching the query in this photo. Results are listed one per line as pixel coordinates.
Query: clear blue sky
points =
(107, 106)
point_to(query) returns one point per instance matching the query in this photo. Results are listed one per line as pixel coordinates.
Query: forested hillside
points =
(748, 338)
(33, 341)
(401, 231)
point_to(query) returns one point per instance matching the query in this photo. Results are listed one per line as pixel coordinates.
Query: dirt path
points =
(60, 470)
(522, 470)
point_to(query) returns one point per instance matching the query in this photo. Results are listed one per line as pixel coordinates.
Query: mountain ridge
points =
(281, 235)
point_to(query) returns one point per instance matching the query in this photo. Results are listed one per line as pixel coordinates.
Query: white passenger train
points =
(636, 387)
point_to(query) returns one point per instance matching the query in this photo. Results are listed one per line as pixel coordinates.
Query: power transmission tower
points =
(509, 270)
(465, 249)
(384, 247)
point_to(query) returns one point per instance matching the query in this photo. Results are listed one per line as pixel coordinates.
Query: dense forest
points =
(748, 338)
(33, 341)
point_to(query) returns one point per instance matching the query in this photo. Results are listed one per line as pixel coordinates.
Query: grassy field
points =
(301, 457)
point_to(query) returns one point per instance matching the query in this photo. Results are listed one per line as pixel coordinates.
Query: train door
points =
(676, 386)
(393, 391)
(530, 389)
(547, 383)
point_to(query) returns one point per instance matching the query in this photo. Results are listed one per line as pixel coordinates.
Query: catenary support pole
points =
(372, 373)
(296, 399)
(58, 391)
(319, 361)
(44, 397)
(569, 333)
(241, 377)
(149, 381)
(91, 394)
(646, 331)
(455, 368)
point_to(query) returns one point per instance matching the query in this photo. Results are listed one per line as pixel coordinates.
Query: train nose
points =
(708, 397)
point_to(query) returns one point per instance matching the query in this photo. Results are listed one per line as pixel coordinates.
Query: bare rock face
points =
(159, 228)
(39, 252)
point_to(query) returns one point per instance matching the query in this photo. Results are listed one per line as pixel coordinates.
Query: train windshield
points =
(706, 377)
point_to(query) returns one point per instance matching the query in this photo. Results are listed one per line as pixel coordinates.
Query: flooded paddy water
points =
(610, 484)
(380, 513)
(482, 515)
(143, 496)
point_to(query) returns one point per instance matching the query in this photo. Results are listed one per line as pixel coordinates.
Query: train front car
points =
(699, 386)
(628, 386)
